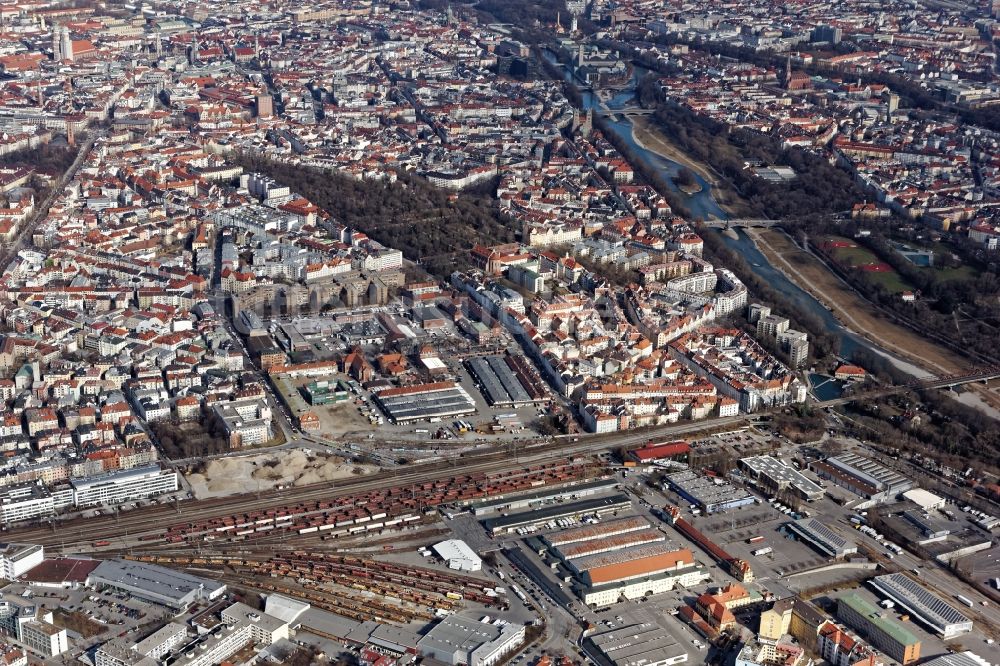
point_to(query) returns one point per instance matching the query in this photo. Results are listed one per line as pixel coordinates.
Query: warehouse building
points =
(633, 573)
(608, 543)
(958, 659)
(532, 519)
(773, 476)
(538, 498)
(645, 644)
(711, 494)
(926, 500)
(458, 555)
(425, 401)
(885, 634)
(671, 451)
(497, 381)
(822, 538)
(942, 618)
(457, 640)
(156, 584)
(862, 476)
(597, 531)
(937, 538)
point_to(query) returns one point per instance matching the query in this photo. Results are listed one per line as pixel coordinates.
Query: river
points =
(703, 204)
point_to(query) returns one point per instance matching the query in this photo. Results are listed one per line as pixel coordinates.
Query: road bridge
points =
(745, 222)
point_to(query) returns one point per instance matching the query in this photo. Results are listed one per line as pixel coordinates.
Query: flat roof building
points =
(596, 531)
(822, 537)
(958, 659)
(155, 584)
(926, 500)
(862, 476)
(458, 555)
(265, 628)
(712, 494)
(123, 486)
(645, 644)
(594, 506)
(425, 401)
(931, 610)
(548, 495)
(17, 559)
(882, 632)
(773, 475)
(457, 640)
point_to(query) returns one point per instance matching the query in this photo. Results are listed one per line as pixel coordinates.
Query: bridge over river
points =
(981, 374)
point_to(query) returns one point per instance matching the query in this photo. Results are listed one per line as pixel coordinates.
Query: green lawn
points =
(855, 256)
(960, 273)
(890, 281)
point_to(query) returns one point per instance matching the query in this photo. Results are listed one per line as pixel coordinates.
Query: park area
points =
(850, 256)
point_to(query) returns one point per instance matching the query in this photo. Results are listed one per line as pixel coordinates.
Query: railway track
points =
(80, 533)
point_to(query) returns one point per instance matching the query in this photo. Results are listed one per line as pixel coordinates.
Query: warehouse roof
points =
(612, 542)
(596, 504)
(171, 587)
(929, 607)
(926, 500)
(638, 644)
(62, 570)
(283, 607)
(417, 388)
(604, 528)
(958, 659)
(456, 549)
(641, 566)
(657, 451)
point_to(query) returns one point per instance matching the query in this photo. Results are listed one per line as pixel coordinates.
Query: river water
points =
(703, 204)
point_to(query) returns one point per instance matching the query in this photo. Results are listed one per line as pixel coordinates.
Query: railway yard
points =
(563, 538)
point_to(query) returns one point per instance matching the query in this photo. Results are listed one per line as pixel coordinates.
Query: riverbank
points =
(647, 136)
(910, 352)
(849, 308)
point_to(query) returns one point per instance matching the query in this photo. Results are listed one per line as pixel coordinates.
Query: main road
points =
(11, 249)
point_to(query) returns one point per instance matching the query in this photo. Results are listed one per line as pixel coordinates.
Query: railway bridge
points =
(980, 374)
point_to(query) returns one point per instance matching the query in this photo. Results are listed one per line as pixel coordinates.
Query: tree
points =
(685, 178)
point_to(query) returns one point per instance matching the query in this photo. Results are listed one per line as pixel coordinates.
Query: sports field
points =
(852, 256)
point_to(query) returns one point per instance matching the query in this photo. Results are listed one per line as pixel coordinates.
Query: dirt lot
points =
(78, 622)
(227, 476)
(342, 420)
